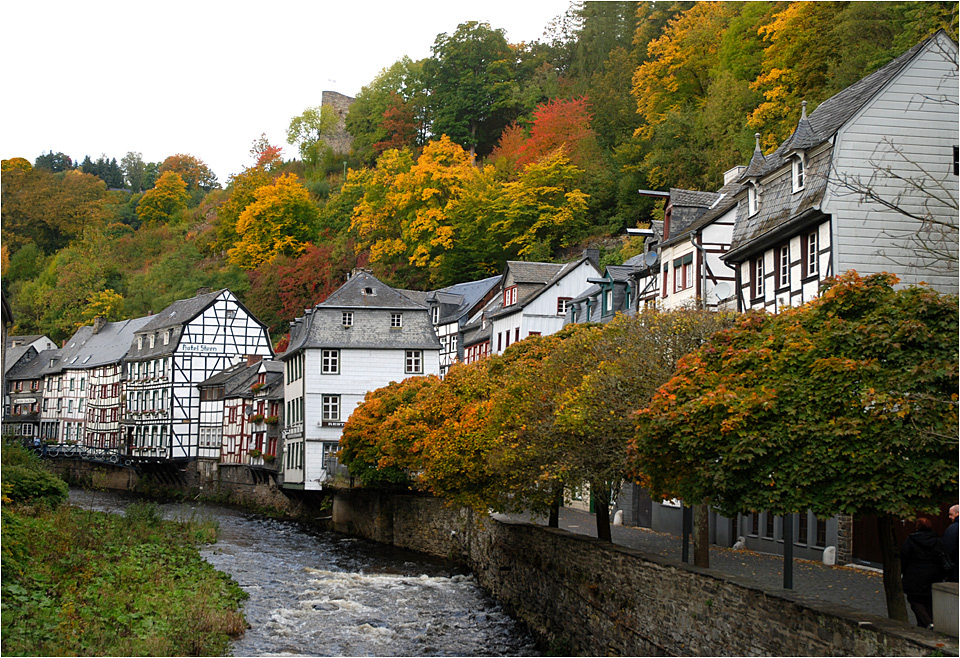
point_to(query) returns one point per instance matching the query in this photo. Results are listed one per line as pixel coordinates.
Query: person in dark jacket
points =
(921, 559)
(950, 543)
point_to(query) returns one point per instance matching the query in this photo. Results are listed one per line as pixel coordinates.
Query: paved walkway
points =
(852, 587)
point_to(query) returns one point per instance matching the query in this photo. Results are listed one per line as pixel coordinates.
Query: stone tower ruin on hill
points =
(340, 141)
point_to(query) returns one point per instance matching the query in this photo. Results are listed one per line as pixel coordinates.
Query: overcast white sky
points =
(207, 77)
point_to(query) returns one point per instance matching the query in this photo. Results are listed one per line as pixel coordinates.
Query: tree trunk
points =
(554, 521)
(601, 496)
(890, 552)
(701, 535)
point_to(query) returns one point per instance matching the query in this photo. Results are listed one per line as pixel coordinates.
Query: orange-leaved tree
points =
(846, 405)
(378, 444)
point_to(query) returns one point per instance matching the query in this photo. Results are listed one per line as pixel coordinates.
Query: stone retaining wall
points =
(581, 596)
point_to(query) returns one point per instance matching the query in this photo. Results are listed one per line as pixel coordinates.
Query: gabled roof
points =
(372, 302)
(13, 355)
(35, 368)
(182, 311)
(723, 200)
(363, 290)
(460, 298)
(110, 344)
(534, 273)
(834, 112)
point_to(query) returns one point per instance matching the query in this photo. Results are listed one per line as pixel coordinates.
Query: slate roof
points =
(373, 302)
(458, 300)
(12, 356)
(532, 272)
(238, 379)
(224, 376)
(723, 200)
(182, 311)
(687, 206)
(354, 294)
(86, 349)
(523, 272)
(23, 340)
(418, 296)
(833, 113)
(780, 210)
(35, 368)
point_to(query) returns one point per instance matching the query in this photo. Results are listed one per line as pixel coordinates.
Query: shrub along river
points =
(321, 593)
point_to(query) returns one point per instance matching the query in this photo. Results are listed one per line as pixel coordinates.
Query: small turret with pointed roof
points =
(757, 165)
(803, 136)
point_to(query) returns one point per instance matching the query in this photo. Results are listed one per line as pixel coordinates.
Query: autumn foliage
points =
(514, 431)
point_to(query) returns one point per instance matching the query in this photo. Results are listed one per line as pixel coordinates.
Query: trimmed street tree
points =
(846, 405)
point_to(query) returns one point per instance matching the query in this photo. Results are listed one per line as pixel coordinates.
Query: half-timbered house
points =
(177, 349)
(25, 382)
(866, 182)
(450, 310)
(697, 230)
(362, 337)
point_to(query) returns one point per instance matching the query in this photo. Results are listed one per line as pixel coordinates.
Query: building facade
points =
(177, 349)
(362, 337)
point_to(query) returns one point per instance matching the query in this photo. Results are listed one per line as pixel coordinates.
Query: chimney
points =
(99, 323)
(732, 175)
(203, 291)
(253, 358)
(593, 255)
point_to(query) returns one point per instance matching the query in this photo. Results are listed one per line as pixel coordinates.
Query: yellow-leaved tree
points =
(160, 203)
(281, 220)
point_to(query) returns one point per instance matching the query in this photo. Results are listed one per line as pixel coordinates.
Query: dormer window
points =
(166, 337)
(510, 296)
(139, 342)
(150, 339)
(752, 205)
(435, 315)
(798, 168)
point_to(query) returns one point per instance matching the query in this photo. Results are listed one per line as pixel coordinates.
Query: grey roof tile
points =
(363, 290)
(373, 303)
(86, 349)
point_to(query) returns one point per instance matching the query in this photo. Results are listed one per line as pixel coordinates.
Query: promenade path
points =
(856, 588)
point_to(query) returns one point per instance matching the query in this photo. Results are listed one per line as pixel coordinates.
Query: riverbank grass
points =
(84, 583)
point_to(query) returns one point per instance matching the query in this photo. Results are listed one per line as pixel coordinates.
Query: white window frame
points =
(753, 205)
(510, 296)
(813, 256)
(413, 362)
(347, 319)
(396, 320)
(563, 303)
(329, 362)
(783, 269)
(330, 407)
(798, 172)
(435, 315)
(758, 275)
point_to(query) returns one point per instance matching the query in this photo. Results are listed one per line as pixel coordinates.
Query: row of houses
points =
(199, 380)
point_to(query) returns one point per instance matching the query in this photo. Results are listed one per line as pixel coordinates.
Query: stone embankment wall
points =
(581, 596)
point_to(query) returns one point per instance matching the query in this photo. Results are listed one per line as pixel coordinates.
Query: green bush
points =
(25, 484)
(144, 512)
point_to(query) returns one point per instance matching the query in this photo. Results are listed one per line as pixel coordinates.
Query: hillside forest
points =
(484, 152)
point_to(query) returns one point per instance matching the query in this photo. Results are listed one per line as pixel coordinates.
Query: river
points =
(317, 593)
